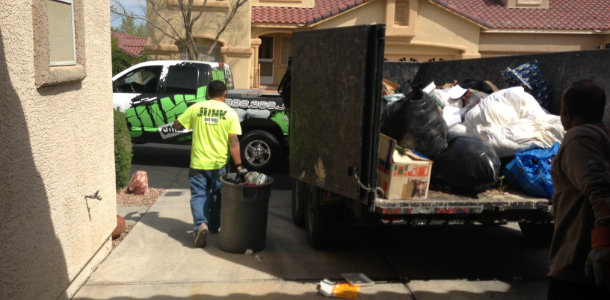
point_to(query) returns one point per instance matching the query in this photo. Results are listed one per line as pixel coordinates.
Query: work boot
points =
(202, 235)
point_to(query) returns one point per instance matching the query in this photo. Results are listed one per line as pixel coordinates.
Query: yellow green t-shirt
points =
(211, 121)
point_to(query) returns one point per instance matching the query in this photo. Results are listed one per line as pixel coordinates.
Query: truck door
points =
(334, 113)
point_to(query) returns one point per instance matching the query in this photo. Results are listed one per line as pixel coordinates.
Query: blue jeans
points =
(205, 197)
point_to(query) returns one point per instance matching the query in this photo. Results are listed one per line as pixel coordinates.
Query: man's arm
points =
(234, 149)
(178, 125)
(589, 172)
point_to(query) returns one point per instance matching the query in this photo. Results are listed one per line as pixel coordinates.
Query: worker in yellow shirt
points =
(215, 128)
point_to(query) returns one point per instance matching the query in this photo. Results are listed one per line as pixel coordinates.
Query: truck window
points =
(142, 80)
(223, 74)
(182, 79)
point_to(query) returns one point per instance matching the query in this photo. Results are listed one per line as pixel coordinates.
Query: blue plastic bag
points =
(530, 170)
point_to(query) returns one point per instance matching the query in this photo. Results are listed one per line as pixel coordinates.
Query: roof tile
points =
(130, 44)
(295, 15)
(561, 14)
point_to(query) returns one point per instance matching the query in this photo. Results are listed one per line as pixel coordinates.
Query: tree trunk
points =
(192, 55)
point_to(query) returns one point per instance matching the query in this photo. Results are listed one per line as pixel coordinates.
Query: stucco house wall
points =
(506, 43)
(56, 132)
(434, 32)
(234, 43)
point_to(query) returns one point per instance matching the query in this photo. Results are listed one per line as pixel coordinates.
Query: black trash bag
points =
(416, 123)
(468, 164)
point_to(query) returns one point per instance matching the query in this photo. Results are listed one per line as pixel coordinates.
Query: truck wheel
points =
(259, 150)
(299, 193)
(321, 219)
(539, 233)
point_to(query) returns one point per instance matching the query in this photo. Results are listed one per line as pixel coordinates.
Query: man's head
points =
(582, 102)
(216, 89)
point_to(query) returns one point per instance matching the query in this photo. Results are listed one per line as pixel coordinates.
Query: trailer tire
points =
(539, 233)
(299, 194)
(259, 150)
(321, 219)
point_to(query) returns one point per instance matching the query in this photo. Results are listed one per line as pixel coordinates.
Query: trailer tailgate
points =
(444, 203)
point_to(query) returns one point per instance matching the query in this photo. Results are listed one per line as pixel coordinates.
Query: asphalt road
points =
(475, 255)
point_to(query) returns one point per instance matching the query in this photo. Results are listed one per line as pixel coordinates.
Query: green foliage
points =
(120, 59)
(123, 151)
(128, 25)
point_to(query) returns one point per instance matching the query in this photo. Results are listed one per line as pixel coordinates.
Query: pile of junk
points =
(477, 135)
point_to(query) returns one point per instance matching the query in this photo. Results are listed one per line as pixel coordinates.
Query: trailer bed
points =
(439, 202)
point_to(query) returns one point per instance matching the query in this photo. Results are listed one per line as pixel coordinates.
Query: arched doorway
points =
(265, 60)
(273, 54)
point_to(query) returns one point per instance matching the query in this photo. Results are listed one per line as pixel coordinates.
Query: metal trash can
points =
(243, 216)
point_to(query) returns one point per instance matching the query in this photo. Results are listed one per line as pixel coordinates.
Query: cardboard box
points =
(402, 176)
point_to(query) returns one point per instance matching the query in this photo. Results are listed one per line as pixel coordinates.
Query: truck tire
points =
(540, 232)
(321, 220)
(299, 193)
(259, 150)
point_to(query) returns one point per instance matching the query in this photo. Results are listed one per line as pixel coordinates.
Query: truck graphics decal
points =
(151, 114)
(155, 115)
(271, 109)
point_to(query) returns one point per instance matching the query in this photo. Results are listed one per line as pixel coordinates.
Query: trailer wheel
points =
(321, 219)
(259, 150)
(299, 194)
(540, 232)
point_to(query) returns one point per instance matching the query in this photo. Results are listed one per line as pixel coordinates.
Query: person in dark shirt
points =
(580, 248)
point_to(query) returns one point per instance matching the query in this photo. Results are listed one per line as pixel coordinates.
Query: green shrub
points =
(123, 151)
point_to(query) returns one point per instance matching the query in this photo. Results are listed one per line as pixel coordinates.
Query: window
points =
(61, 33)
(143, 80)
(182, 79)
(203, 54)
(401, 13)
(528, 2)
(59, 41)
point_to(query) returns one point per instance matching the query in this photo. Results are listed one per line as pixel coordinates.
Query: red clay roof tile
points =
(130, 44)
(294, 15)
(561, 14)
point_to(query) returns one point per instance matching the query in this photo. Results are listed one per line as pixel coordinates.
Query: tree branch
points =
(228, 20)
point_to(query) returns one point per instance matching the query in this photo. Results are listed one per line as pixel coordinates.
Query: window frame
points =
(46, 73)
(73, 61)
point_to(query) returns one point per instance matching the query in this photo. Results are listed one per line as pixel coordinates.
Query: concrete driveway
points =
(158, 260)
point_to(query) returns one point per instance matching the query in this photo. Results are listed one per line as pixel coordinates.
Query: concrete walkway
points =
(158, 260)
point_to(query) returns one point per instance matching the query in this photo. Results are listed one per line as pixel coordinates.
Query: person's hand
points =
(241, 170)
(598, 261)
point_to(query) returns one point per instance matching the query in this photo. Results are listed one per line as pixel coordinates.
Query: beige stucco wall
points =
(497, 44)
(234, 43)
(433, 33)
(438, 28)
(57, 147)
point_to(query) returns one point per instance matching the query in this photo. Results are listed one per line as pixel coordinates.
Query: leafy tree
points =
(189, 17)
(122, 60)
(128, 25)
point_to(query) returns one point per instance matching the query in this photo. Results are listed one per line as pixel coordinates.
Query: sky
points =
(137, 7)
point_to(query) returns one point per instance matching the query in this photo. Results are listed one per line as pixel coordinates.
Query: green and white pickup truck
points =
(154, 93)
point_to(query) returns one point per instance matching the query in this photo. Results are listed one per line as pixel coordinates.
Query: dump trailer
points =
(335, 133)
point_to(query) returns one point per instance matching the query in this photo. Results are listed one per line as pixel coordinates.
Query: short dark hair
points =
(216, 88)
(585, 100)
